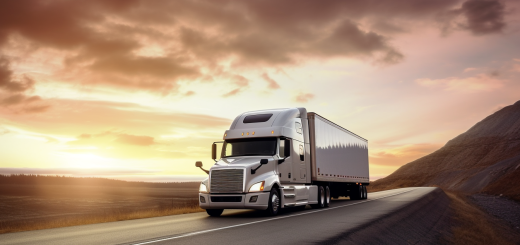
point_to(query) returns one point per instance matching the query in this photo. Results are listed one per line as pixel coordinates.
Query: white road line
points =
(265, 220)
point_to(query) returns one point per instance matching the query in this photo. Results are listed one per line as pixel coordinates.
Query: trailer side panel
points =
(337, 154)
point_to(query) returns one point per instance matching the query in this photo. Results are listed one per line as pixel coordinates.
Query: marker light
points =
(247, 133)
(253, 133)
(257, 187)
(272, 132)
(225, 135)
(242, 134)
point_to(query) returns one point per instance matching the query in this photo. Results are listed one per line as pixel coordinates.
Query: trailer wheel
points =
(321, 198)
(273, 206)
(356, 192)
(365, 192)
(214, 212)
(327, 196)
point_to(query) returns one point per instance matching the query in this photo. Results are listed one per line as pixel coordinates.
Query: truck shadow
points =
(238, 213)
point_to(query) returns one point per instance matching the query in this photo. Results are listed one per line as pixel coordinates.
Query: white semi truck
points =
(279, 158)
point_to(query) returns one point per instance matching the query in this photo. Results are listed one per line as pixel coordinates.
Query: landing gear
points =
(214, 212)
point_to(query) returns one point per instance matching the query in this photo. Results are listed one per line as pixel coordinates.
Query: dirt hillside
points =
(486, 159)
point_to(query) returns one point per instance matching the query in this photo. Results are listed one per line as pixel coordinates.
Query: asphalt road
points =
(344, 221)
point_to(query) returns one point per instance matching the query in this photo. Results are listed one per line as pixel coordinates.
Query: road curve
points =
(409, 215)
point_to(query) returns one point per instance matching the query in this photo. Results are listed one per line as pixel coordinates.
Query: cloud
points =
(241, 82)
(8, 83)
(272, 84)
(155, 45)
(479, 83)
(135, 140)
(484, 16)
(304, 97)
(480, 17)
(400, 155)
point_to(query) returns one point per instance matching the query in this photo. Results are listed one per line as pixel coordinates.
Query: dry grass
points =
(114, 215)
(34, 207)
(473, 226)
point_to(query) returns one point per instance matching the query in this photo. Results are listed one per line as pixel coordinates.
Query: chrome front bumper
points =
(261, 202)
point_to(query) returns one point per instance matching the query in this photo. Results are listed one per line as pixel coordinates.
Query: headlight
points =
(202, 187)
(257, 187)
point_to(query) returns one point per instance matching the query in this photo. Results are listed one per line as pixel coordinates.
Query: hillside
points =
(486, 159)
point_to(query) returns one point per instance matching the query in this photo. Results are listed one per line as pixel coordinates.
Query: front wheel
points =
(214, 212)
(273, 206)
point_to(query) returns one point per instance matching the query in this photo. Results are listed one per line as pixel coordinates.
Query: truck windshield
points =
(249, 147)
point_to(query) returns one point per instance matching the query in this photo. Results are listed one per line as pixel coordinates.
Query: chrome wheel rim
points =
(328, 195)
(275, 201)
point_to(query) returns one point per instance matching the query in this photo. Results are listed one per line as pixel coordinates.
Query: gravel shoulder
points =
(500, 207)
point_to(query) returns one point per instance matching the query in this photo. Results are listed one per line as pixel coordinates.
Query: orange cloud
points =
(135, 140)
(239, 81)
(272, 84)
(304, 97)
(481, 82)
(400, 155)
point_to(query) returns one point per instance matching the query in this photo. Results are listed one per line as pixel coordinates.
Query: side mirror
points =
(214, 151)
(287, 148)
(198, 164)
(264, 161)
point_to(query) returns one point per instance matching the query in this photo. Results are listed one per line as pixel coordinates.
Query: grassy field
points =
(39, 206)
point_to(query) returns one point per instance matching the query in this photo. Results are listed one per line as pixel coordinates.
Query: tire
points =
(365, 193)
(321, 198)
(356, 192)
(327, 196)
(214, 212)
(273, 206)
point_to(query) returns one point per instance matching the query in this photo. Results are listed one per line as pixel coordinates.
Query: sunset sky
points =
(138, 90)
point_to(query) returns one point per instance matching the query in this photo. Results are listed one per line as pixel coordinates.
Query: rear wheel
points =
(214, 212)
(273, 206)
(321, 198)
(356, 192)
(365, 193)
(327, 196)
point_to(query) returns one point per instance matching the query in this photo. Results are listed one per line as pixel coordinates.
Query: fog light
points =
(202, 199)
(253, 199)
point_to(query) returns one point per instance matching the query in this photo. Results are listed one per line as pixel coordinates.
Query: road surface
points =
(408, 215)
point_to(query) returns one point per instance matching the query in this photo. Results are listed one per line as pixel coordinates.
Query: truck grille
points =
(227, 181)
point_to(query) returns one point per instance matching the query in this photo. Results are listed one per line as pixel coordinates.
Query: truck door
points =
(299, 170)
